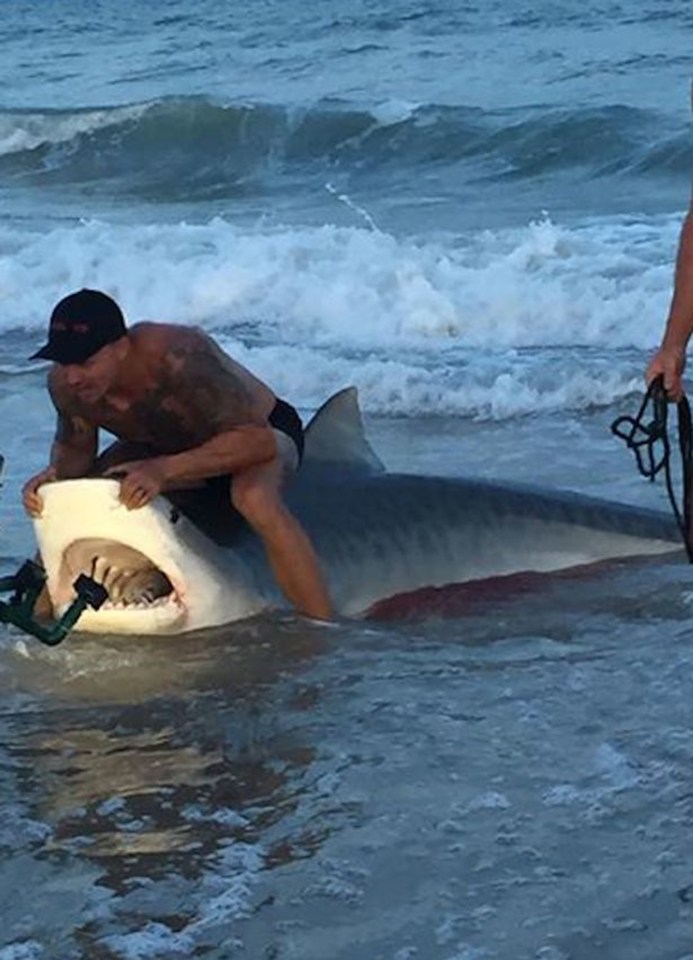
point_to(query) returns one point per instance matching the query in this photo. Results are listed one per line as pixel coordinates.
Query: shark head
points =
(161, 573)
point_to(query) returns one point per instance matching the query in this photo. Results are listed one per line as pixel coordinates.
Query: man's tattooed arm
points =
(76, 439)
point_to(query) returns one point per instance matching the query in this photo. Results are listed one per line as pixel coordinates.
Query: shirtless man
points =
(189, 411)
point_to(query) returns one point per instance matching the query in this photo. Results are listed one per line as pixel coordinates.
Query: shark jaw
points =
(137, 588)
(162, 575)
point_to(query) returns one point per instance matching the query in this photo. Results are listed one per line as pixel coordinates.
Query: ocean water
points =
(469, 211)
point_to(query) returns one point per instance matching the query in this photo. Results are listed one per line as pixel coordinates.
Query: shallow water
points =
(506, 784)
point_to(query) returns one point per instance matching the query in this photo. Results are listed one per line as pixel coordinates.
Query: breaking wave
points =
(198, 148)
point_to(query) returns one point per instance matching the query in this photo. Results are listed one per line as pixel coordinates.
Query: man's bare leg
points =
(256, 493)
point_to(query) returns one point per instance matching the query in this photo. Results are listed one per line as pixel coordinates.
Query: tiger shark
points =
(188, 561)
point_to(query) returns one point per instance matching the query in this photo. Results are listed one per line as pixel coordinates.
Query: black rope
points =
(649, 441)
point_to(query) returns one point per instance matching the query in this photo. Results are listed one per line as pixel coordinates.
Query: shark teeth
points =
(129, 588)
(171, 600)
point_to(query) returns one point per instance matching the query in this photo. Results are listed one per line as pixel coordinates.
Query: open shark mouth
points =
(132, 580)
(161, 573)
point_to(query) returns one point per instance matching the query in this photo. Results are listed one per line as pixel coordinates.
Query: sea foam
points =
(492, 324)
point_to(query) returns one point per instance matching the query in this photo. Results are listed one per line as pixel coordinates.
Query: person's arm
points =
(232, 450)
(228, 452)
(75, 443)
(73, 452)
(670, 359)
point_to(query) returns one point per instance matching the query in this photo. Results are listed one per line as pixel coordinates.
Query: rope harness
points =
(647, 435)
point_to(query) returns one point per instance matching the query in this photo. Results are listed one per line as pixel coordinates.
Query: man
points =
(183, 412)
(670, 359)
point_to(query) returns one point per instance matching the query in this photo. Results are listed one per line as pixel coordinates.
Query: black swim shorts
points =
(285, 419)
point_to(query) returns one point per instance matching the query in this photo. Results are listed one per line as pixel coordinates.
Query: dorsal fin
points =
(335, 434)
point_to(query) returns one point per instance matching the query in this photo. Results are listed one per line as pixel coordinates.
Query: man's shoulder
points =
(151, 330)
(155, 338)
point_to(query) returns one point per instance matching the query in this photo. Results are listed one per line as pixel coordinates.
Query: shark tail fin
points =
(336, 435)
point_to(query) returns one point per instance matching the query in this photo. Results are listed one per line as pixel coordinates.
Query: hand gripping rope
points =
(647, 435)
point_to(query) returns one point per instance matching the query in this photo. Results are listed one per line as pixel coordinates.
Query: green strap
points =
(26, 585)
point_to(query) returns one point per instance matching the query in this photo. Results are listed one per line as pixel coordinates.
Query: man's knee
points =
(258, 501)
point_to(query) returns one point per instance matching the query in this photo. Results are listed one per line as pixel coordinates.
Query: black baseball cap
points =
(80, 325)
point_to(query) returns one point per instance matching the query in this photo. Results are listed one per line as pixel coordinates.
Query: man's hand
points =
(669, 362)
(32, 500)
(140, 481)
